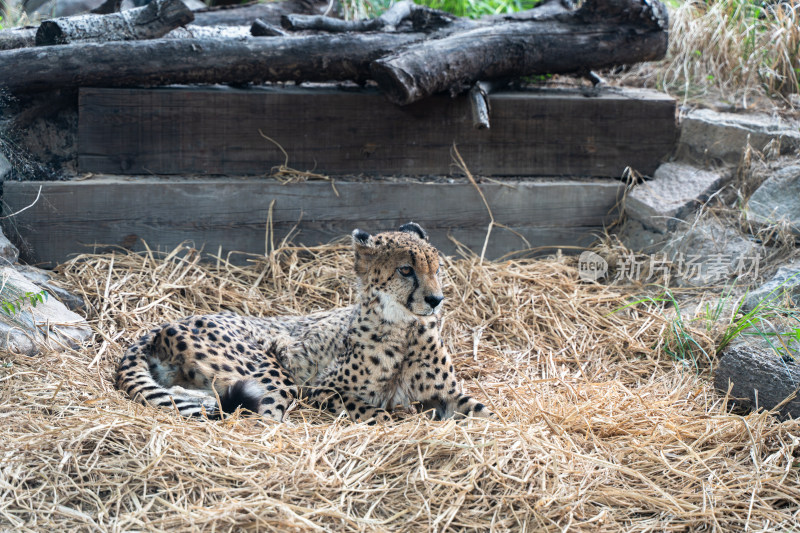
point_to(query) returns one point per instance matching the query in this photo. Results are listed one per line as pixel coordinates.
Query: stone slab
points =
(777, 200)
(8, 252)
(49, 324)
(44, 279)
(707, 253)
(711, 136)
(784, 284)
(674, 192)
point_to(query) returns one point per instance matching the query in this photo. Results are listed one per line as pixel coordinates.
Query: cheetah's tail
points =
(244, 393)
(136, 377)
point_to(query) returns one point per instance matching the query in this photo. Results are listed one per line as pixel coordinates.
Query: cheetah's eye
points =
(406, 271)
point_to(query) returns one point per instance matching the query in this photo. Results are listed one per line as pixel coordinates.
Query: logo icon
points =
(591, 266)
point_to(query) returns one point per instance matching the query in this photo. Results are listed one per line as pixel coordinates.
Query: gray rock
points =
(709, 136)
(8, 252)
(710, 253)
(5, 168)
(778, 199)
(43, 279)
(759, 377)
(49, 324)
(673, 194)
(637, 238)
(784, 284)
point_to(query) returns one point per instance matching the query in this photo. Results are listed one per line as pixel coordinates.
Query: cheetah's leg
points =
(435, 387)
(457, 406)
(334, 401)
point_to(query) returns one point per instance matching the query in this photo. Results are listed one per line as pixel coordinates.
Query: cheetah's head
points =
(401, 269)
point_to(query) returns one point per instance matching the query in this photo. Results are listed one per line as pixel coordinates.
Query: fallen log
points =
(246, 14)
(428, 52)
(17, 38)
(154, 20)
(388, 21)
(170, 61)
(265, 29)
(600, 34)
(193, 31)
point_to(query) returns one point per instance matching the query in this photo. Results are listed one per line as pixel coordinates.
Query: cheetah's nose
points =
(433, 300)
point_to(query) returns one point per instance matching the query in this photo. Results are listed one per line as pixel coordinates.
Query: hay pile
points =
(598, 431)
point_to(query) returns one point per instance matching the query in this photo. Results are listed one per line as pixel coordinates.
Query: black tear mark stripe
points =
(413, 290)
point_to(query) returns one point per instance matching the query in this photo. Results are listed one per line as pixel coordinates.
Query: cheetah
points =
(385, 350)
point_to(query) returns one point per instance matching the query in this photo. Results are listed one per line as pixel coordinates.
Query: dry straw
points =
(739, 50)
(599, 432)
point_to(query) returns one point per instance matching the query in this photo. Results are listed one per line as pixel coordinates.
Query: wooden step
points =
(546, 132)
(83, 216)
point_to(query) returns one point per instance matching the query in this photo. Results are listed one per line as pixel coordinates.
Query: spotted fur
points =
(383, 351)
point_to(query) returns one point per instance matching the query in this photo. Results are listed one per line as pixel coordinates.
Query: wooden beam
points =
(216, 131)
(81, 216)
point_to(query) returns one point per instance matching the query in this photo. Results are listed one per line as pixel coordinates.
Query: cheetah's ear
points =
(416, 229)
(362, 239)
(364, 248)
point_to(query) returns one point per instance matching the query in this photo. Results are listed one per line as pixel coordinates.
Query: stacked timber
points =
(175, 133)
(411, 52)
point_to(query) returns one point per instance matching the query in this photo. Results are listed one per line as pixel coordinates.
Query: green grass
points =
(687, 340)
(13, 300)
(19, 301)
(680, 339)
(761, 322)
(12, 16)
(783, 343)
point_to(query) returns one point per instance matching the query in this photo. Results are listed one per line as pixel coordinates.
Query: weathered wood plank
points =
(533, 133)
(71, 217)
